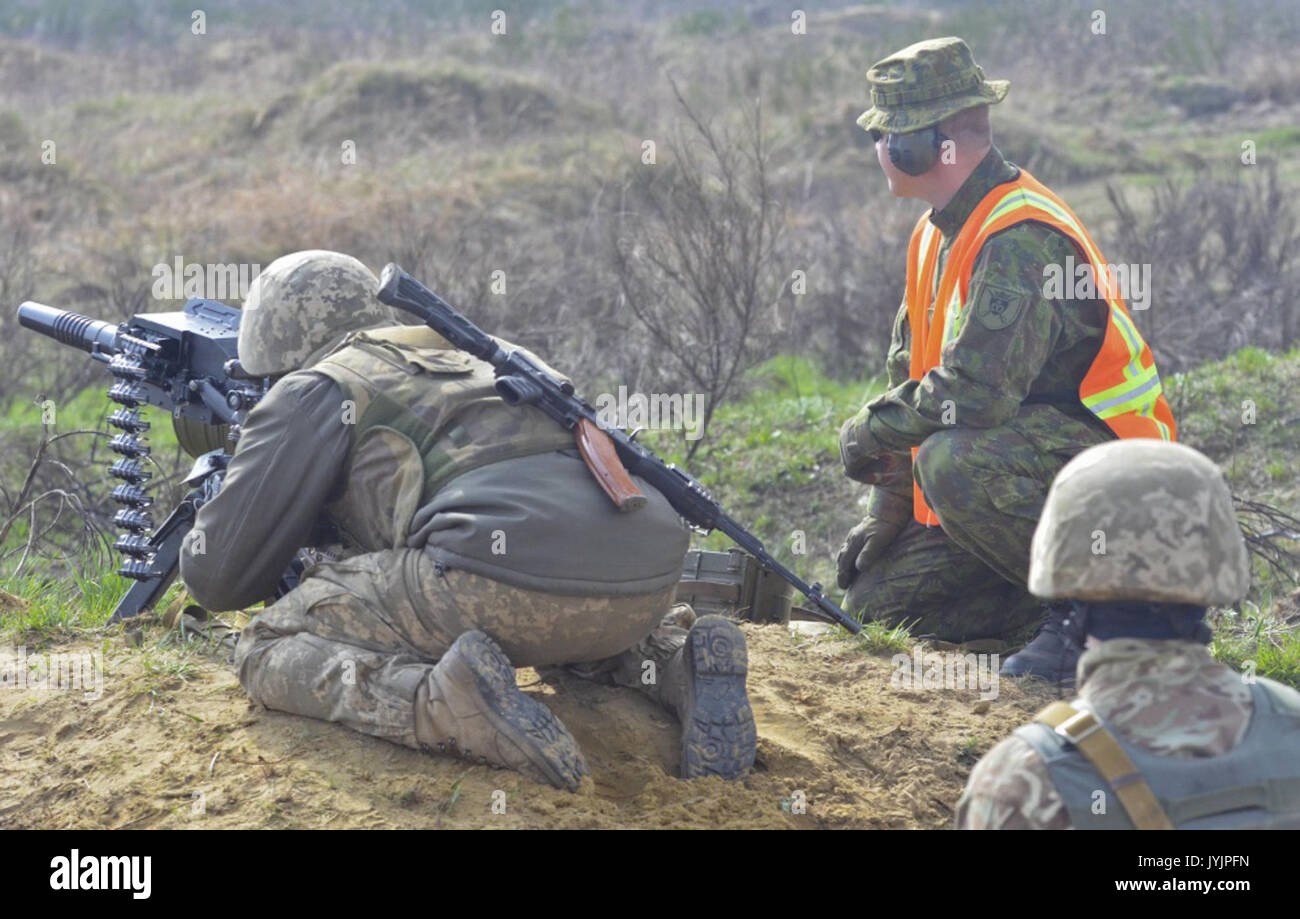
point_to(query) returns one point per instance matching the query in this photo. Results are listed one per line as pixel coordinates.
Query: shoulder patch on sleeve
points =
(997, 307)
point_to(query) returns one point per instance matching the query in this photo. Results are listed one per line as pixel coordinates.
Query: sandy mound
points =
(174, 742)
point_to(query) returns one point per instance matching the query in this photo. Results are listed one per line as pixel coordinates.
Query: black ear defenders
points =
(916, 152)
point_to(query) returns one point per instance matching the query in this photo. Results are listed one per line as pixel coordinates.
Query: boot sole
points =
(718, 733)
(532, 726)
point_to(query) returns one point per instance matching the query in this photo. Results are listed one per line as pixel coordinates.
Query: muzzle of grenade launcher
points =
(171, 360)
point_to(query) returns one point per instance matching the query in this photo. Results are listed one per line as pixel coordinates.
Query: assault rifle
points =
(185, 362)
(522, 381)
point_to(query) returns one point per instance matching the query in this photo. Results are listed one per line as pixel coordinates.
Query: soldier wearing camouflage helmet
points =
(995, 379)
(321, 288)
(470, 539)
(1139, 537)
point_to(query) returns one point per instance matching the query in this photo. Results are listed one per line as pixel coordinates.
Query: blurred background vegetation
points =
(523, 153)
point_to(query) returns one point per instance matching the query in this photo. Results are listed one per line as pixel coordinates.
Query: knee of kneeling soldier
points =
(255, 642)
(944, 478)
(882, 591)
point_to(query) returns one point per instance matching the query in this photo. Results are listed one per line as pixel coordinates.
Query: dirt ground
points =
(174, 742)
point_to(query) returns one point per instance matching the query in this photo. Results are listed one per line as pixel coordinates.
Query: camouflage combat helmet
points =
(1139, 519)
(301, 305)
(925, 83)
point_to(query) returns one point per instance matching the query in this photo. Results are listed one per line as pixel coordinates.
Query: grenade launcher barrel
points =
(91, 335)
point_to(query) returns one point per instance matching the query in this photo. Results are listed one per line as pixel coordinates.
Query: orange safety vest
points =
(1121, 387)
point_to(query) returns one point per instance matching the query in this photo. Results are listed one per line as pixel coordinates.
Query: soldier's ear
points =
(969, 126)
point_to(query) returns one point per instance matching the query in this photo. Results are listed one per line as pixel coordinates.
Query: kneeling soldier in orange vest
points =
(997, 377)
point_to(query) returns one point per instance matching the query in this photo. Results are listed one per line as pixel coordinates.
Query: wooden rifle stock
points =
(602, 459)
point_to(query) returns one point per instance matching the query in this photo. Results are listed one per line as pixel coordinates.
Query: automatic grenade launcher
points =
(185, 362)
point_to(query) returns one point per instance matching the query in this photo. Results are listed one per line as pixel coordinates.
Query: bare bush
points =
(856, 274)
(537, 277)
(17, 277)
(696, 253)
(1222, 251)
(55, 517)
(1268, 530)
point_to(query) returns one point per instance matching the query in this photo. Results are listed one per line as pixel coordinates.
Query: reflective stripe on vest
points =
(1122, 386)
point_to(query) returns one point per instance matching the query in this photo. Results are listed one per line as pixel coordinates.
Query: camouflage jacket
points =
(1167, 698)
(536, 521)
(985, 373)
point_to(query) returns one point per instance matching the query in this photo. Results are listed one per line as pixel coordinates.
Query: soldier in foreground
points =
(474, 541)
(1161, 735)
(995, 381)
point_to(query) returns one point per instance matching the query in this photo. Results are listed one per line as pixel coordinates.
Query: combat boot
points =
(1052, 654)
(470, 706)
(703, 682)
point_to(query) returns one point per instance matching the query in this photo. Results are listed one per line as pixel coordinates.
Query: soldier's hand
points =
(888, 510)
(210, 487)
(893, 471)
(864, 545)
(859, 450)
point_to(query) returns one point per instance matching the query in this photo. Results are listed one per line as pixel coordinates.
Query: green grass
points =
(1243, 412)
(166, 666)
(1274, 140)
(882, 639)
(167, 658)
(55, 608)
(88, 410)
(65, 596)
(59, 606)
(771, 458)
(970, 750)
(1255, 640)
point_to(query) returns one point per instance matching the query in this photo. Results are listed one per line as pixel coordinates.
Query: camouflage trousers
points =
(356, 639)
(965, 579)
